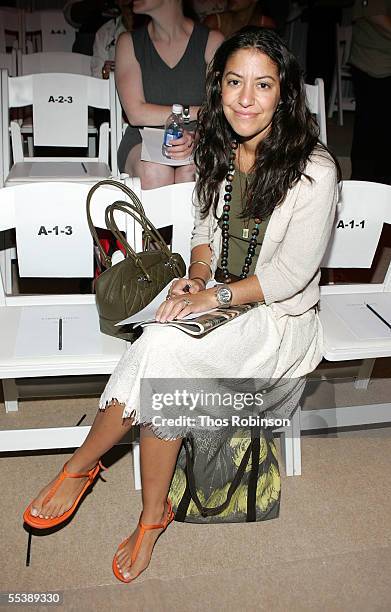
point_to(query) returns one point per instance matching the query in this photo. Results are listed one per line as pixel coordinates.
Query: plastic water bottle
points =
(173, 128)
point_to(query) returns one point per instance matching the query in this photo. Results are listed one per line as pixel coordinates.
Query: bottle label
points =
(170, 135)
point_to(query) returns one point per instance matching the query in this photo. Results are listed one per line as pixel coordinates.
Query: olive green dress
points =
(238, 245)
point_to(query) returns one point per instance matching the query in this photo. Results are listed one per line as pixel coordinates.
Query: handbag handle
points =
(205, 510)
(151, 232)
(133, 197)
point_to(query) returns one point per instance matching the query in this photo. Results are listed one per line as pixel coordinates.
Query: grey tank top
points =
(183, 84)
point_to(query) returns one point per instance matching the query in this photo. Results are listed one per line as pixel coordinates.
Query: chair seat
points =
(351, 329)
(33, 345)
(58, 170)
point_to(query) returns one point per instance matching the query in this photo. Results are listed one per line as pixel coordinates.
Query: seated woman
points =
(239, 13)
(161, 64)
(261, 172)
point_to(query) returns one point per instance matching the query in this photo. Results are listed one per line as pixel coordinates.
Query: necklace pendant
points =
(245, 232)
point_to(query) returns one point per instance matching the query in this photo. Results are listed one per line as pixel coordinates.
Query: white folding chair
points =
(48, 31)
(55, 61)
(60, 114)
(342, 94)
(39, 315)
(356, 318)
(316, 105)
(53, 335)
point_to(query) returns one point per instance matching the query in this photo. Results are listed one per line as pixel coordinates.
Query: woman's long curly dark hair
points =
(282, 156)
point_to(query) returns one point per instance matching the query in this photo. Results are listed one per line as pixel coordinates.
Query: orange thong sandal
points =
(142, 529)
(42, 523)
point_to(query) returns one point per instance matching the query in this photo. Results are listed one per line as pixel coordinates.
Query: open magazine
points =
(199, 325)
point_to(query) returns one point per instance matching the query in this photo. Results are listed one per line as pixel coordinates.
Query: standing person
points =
(371, 72)
(254, 125)
(102, 62)
(158, 65)
(239, 13)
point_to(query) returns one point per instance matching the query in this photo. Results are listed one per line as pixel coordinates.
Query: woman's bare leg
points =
(151, 175)
(158, 458)
(108, 429)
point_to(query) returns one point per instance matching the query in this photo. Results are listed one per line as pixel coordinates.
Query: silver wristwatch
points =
(186, 114)
(224, 296)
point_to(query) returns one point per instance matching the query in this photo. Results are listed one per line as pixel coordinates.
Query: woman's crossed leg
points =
(158, 458)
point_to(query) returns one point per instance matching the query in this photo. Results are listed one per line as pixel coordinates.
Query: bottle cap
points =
(177, 109)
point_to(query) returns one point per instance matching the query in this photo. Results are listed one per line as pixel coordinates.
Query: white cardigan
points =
(295, 239)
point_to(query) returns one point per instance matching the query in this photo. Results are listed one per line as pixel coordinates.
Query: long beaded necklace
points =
(225, 226)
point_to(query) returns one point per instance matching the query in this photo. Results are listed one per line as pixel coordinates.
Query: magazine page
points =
(151, 149)
(202, 323)
(147, 314)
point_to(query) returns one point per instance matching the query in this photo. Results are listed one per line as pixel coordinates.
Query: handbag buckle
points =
(143, 279)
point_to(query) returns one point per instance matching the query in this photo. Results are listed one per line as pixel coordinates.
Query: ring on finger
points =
(187, 301)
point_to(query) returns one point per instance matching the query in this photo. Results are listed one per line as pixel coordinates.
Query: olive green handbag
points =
(127, 287)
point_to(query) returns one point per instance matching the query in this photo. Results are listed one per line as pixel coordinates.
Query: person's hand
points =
(180, 306)
(182, 286)
(181, 148)
(108, 67)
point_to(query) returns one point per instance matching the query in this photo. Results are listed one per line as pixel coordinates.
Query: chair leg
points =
(92, 146)
(30, 147)
(339, 94)
(136, 465)
(291, 445)
(364, 374)
(296, 441)
(8, 270)
(333, 94)
(10, 391)
(286, 450)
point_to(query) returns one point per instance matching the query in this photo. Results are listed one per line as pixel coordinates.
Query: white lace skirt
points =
(255, 345)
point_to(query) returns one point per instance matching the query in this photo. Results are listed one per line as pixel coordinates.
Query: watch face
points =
(224, 295)
(186, 114)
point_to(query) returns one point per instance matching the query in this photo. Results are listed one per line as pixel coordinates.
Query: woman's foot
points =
(134, 554)
(50, 506)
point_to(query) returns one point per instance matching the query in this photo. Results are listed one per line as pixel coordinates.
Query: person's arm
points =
(130, 88)
(290, 269)
(298, 258)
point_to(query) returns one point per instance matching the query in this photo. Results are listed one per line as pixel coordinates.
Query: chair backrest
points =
(49, 31)
(10, 28)
(8, 62)
(362, 210)
(171, 205)
(317, 106)
(54, 61)
(60, 111)
(52, 235)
